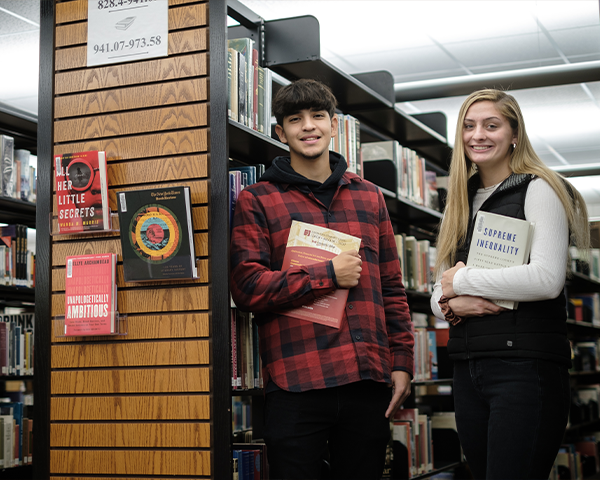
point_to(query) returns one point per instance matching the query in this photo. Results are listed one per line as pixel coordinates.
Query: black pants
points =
(346, 425)
(511, 415)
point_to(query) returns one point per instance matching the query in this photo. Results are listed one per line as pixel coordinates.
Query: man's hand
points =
(401, 390)
(468, 306)
(448, 279)
(347, 267)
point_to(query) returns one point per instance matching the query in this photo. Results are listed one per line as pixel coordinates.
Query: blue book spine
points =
(433, 354)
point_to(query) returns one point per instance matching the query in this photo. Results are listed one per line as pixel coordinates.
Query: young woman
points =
(511, 381)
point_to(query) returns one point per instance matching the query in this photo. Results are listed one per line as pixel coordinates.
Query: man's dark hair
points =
(303, 94)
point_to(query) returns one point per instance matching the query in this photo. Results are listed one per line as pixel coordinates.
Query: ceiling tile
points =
(566, 13)
(409, 64)
(29, 9)
(10, 25)
(548, 96)
(594, 89)
(578, 41)
(504, 52)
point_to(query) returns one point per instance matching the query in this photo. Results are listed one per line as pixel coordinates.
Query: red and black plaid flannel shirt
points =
(376, 333)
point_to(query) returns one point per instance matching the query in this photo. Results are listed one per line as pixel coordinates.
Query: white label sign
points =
(126, 30)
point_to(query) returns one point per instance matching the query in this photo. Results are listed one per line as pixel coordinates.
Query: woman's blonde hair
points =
(453, 229)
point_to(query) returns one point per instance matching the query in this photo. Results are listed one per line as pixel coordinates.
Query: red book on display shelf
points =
(81, 192)
(91, 295)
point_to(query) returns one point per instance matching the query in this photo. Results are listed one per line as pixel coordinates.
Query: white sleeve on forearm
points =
(544, 276)
(435, 298)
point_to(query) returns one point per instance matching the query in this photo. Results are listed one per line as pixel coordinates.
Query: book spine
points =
(250, 351)
(17, 176)
(268, 100)
(102, 170)
(11, 348)
(234, 360)
(262, 114)
(242, 72)
(256, 354)
(7, 165)
(9, 431)
(255, 89)
(3, 349)
(23, 255)
(229, 83)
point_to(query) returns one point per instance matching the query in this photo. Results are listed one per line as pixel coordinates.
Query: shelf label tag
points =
(126, 30)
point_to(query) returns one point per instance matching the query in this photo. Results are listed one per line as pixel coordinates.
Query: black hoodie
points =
(281, 172)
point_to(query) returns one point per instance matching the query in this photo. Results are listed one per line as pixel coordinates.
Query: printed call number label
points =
(126, 30)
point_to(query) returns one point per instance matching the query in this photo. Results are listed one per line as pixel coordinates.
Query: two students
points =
(326, 389)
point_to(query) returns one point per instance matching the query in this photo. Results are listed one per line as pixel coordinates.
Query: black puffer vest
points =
(534, 329)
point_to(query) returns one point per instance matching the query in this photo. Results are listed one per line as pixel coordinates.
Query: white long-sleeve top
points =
(543, 277)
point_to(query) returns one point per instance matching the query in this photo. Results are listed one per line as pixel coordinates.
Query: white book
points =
(8, 430)
(500, 242)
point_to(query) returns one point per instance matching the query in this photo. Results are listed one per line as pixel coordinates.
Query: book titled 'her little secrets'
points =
(90, 294)
(500, 242)
(81, 192)
(157, 237)
(309, 244)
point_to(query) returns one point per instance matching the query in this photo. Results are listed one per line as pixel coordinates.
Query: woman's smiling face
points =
(487, 136)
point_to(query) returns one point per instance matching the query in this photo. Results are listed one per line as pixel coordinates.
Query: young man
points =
(327, 394)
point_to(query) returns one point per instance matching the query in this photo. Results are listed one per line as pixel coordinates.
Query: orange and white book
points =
(309, 244)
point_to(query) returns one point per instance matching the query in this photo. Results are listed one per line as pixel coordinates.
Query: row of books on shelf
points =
(589, 265)
(415, 440)
(417, 259)
(584, 307)
(17, 257)
(250, 461)
(585, 355)
(584, 405)
(18, 167)
(249, 86)
(426, 359)
(17, 341)
(246, 364)
(241, 414)
(16, 435)
(422, 443)
(250, 96)
(239, 178)
(347, 142)
(402, 171)
(578, 460)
